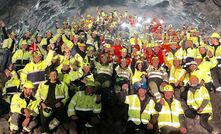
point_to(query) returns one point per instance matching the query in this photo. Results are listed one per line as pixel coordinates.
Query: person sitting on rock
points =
(24, 109)
(198, 100)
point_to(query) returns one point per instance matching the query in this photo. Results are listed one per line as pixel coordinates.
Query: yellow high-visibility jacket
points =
(82, 102)
(18, 102)
(169, 114)
(195, 99)
(134, 110)
(61, 91)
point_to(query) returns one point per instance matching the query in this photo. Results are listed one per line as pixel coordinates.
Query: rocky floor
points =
(193, 125)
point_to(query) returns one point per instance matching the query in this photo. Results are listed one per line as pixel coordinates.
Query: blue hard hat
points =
(140, 85)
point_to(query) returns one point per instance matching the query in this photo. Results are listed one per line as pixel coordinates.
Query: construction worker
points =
(190, 51)
(8, 45)
(156, 77)
(9, 85)
(35, 70)
(142, 114)
(176, 76)
(84, 107)
(21, 56)
(205, 65)
(123, 77)
(175, 50)
(216, 72)
(80, 56)
(171, 116)
(24, 108)
(138, 72)
(53, 95)
(198, 100)
(104, 74)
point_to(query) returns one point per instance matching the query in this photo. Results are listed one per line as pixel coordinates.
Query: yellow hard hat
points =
(124, 50)
(90, 48)
(90, 84)
(215, 35)
(81, 45)
(47, 112)
(28, 84)
(198, 56)
(167, 87)
(107, 45)
(13, 33)
(66, 62)
(37, 53)
(24, 42)
(177, 58)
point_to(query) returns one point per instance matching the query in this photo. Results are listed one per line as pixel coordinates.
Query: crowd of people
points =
(115, 71)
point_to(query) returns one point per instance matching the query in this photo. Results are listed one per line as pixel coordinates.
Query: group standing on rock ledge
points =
(109, 74)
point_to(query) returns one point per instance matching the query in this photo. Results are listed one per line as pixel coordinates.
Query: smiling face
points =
(28, 92)
(168, 94)
(141, 92)
(53, 76)
(194, 81)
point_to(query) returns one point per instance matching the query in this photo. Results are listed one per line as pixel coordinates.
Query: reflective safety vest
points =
(179, 53)
(11, 86)
(159, 73)
(123, 73)
(20, 58)
(77, 57)
(176, 74)
(195, 99)
(218, 55)
(105, 69)
(18, 102)
(135, 107)
(7, 44)
(205, 67)
(67, 42)
(137, 77)
(190, 52)
(139, 42)
(61, 91)
(82, 102)
(36, 72)
(169, 114)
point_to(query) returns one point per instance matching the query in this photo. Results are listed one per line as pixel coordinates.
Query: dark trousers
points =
(216, 76)
(169, 130)
(204, 122)
(7, 54)
(58, 113)
(131, 128)
(85, 117)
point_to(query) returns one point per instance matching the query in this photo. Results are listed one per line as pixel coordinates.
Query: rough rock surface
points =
(41, 14)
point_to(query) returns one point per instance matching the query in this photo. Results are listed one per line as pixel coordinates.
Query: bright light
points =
(138, 25)
(148, 20)
(139, 19)
(161, 21)
(124, 25)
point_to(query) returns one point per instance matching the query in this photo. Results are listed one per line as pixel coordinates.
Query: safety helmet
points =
(168, 87)
(37, 53)
(47, 112)
(215, 35)
(141, 85)
(90, 84)
(28, 84)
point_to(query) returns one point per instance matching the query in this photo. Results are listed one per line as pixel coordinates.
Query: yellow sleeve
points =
(205, 93)
(15, 56)
(68, 43)
(15, 106)
(72, 104)
(66, 94)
